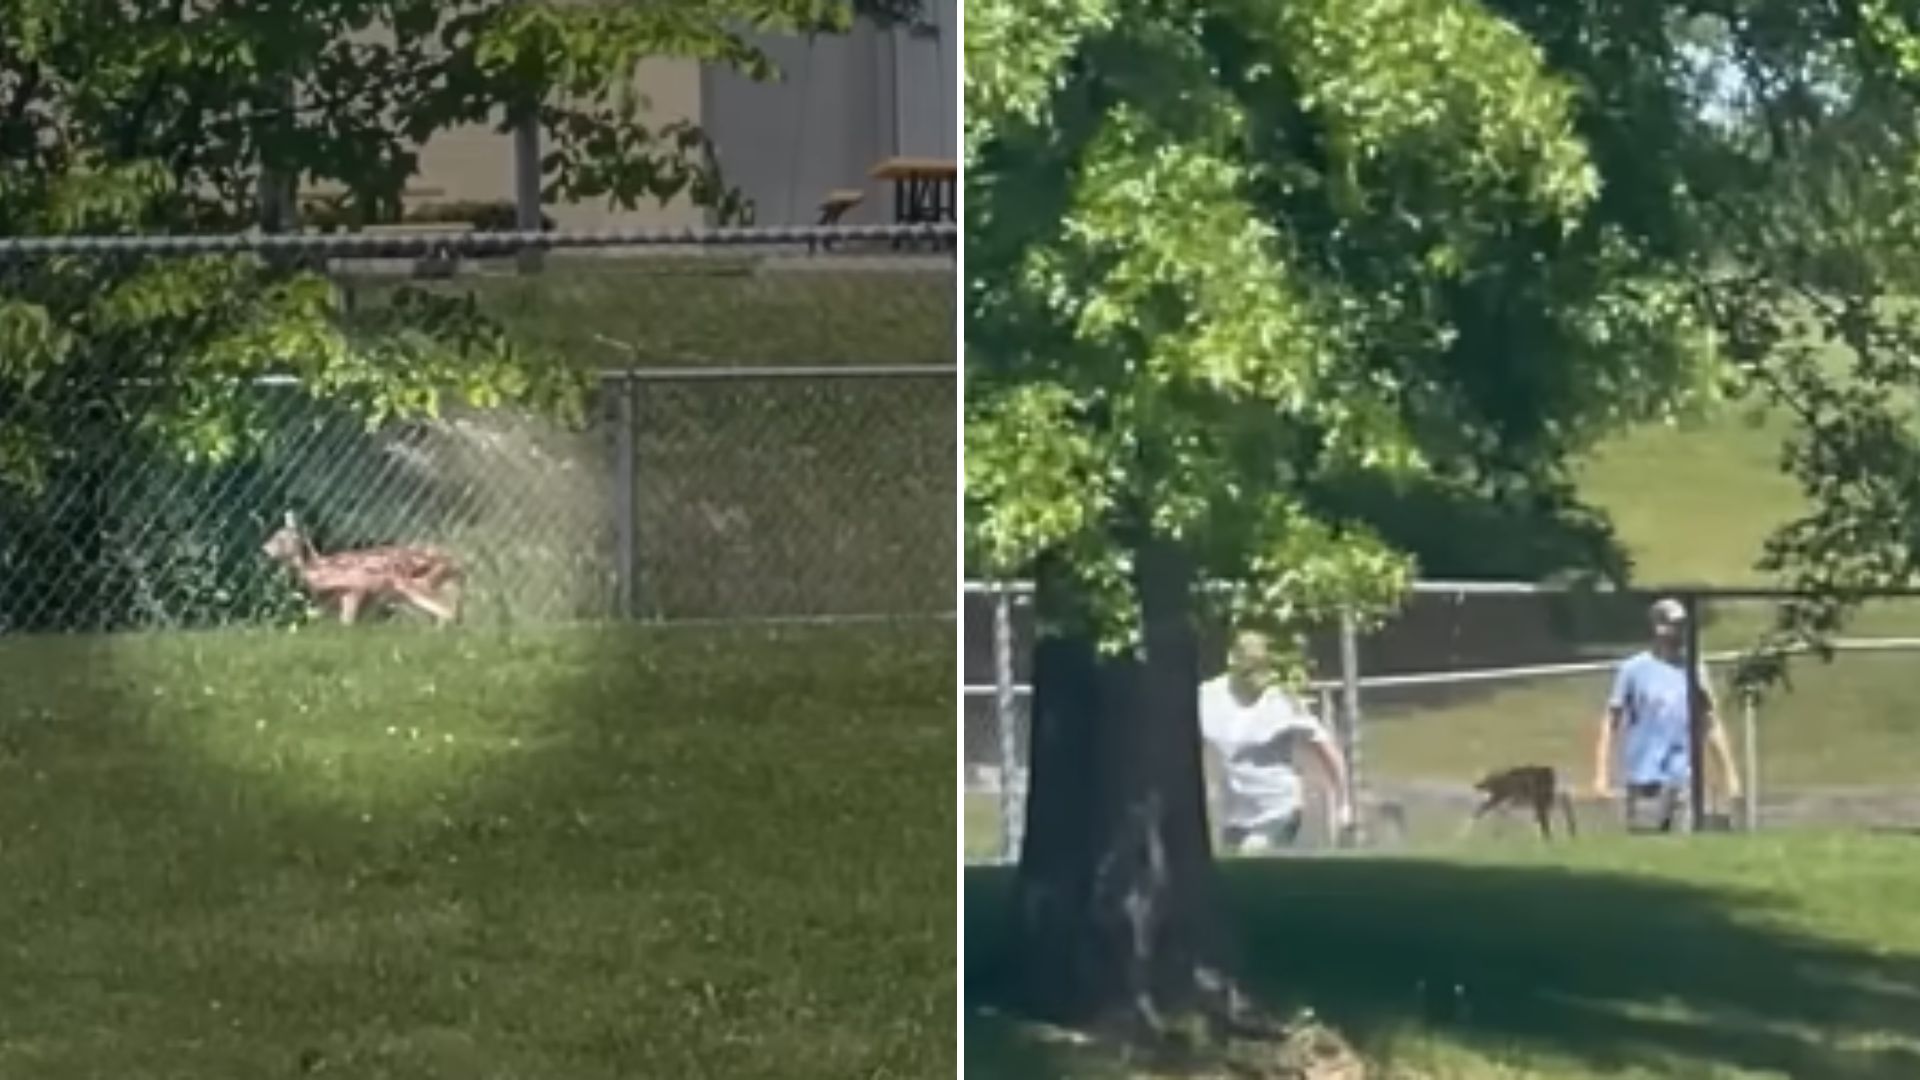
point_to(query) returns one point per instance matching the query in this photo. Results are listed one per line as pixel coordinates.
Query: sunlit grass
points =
(399, 853)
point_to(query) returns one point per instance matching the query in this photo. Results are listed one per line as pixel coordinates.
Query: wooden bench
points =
(925, 190)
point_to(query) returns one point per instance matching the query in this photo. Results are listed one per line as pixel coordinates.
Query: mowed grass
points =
(654, 310)
(1718, 957)
(1694, 503)
(570, 853)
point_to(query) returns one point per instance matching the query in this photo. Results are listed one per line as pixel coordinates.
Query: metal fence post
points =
(625, 495)
(1350, 730)
(1003, 709)
(1696, 738)
(527, 213)
(1749, 738)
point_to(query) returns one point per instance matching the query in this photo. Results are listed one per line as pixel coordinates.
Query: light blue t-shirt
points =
(1652, 697)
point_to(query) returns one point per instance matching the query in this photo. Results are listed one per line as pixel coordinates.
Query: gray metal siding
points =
(843, 104)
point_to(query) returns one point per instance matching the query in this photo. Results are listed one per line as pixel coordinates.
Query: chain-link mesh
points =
(1464, 682)
(1459, 685)
(816, 494)
(768, 429)
(998, 634)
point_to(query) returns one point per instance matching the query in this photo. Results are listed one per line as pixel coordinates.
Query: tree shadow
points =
(1616, 971)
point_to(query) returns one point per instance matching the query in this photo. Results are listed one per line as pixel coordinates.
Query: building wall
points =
(843, 104)
(476, 163)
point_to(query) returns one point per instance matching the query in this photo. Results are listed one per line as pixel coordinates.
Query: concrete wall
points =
(842, 104)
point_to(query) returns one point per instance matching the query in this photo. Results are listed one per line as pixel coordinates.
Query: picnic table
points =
(924, 189)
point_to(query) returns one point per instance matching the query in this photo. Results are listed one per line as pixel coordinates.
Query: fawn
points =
(413, 573)
(1534, 787)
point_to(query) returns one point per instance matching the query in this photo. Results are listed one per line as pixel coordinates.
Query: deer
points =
(417, 574)
(1529, 787)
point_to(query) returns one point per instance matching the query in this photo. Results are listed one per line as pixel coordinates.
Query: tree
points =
(1235, 273)
(1771, 148)
(1814, 286)
(163, 116)
(1225, 269)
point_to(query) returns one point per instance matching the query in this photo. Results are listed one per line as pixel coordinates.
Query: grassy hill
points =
(1695, 503)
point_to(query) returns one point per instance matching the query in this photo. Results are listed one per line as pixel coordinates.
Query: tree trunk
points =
(1115, 885)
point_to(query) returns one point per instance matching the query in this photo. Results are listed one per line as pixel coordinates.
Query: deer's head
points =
(288, 544)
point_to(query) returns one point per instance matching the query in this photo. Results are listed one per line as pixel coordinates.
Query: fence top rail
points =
(1524, 671)
(428, 242)
(764, 371)
(1443, 587)
(691, 374)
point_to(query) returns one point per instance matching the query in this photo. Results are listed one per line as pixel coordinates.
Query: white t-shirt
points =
(1256, 743)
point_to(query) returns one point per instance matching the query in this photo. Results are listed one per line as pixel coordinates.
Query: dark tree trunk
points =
(1115, 883)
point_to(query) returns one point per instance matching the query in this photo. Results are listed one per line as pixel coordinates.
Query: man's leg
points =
(1276, 835)
(1265, 837)
(1646, 809)
(1286, 831)
(1679, 801)
(1234, 839)
(1656, 808)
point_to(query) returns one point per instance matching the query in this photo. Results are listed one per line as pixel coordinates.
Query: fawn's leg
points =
(1543, 813)
(1466, 827)
(349, 607)
(420, 598)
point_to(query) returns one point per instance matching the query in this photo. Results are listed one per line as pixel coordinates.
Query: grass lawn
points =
(1694, 502)
(565, 853)
(720, 311)
(1790, 955)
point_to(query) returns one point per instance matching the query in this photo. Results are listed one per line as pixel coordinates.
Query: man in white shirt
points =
(1251, 729)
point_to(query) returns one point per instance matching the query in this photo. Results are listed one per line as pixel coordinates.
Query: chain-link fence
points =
(998, 630)
(724, 425)
(1467, 680)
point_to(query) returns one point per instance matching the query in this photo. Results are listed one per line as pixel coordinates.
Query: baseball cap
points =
(1667, 610)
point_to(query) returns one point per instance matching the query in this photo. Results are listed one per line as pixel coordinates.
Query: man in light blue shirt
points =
(1647, 711)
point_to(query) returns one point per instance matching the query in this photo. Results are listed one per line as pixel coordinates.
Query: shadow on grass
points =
(582, 854)
(1608, 970)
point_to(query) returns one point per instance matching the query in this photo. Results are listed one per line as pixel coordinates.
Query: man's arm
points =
(1717, 742)
(1316, 733)
(1717, 745)
(1610, 720)
(1716, 736)
(1336, 765)
(1603, 751)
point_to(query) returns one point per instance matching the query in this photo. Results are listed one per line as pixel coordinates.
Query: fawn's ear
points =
(291, 523)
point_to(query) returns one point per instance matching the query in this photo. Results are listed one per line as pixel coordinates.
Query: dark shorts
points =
(1658, 808)
(1280, 833)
